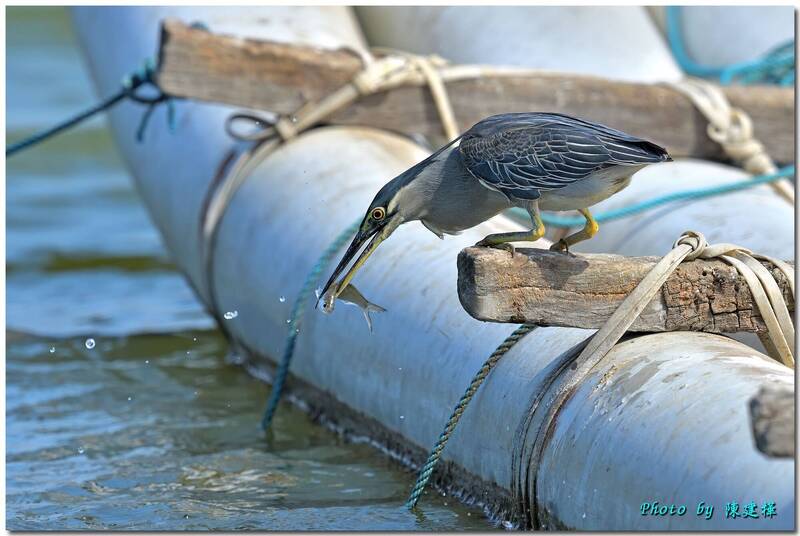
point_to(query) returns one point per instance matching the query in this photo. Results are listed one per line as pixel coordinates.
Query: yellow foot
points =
(506, 246)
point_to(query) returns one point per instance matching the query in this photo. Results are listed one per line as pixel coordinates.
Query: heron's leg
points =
(503, 240)
(588, 231)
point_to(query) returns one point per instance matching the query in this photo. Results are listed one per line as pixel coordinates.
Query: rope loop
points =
(260, 126)
(694, 240)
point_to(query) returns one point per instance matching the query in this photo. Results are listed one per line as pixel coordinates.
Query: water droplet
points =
(288, 320)
(194, 339)
(146, 361)
(584, 515)
(402, 417)
(230, 315)
(399, 368)
(508, 525)
(282, 299)
(195, 393)
(187, 352)
(81, 450)
(89, 343)
(52, 349)
(297, 330)
(130, 398)
(186, 516)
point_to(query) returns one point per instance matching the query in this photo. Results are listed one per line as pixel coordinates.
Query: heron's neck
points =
(416, 191)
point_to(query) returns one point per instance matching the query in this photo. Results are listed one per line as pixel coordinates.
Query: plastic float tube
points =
(614, 42)
(180, 165)
(662, 418)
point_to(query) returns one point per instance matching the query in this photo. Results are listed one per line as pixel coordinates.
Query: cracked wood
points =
(555, 289)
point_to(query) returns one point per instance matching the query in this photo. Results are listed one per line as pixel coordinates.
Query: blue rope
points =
(295, 320)
(775, 67)
(649, 204)
(128, 90)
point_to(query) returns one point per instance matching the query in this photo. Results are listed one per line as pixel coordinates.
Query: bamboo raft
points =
(663, 416)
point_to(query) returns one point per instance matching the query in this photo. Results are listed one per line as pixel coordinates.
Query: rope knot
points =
(285, 129)
(694, 240)
(734, 131)
(730, 127)
(377, 74)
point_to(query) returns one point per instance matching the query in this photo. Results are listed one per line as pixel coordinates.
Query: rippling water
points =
(150, 429)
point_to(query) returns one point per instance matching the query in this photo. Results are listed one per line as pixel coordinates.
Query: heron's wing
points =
(522, 154)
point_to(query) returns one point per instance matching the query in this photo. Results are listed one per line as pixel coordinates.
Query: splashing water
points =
(89, 343)
(230, 315)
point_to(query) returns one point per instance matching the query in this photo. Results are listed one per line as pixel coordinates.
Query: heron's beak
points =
(378, 235)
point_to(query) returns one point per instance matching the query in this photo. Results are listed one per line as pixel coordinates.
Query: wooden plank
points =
(556, 289)
(772, 421)
(197, 64)
(265, 75)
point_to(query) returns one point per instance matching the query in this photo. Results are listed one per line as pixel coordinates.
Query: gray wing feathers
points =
(521, 154)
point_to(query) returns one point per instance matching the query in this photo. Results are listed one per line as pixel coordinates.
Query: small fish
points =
(351, 295)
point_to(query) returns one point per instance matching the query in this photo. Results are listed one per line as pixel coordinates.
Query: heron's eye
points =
(378, 213)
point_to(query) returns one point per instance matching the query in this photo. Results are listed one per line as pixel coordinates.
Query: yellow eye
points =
(378, 213)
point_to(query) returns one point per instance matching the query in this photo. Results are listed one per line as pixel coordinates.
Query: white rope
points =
(732, 128)
(692, 245)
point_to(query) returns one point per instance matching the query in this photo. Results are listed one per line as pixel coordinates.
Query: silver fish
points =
(351, 295)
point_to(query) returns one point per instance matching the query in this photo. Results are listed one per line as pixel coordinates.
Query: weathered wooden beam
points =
(556, 289)
(265, 75)
(772, 420)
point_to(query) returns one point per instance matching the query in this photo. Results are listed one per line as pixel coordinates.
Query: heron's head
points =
(383, 216)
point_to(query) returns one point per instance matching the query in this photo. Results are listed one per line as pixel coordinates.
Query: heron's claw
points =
(561, 245)
(506, 246)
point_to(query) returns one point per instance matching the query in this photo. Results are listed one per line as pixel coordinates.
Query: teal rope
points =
(128, 91)
(427, 469)
(775, 67)
(295, 320)
(649, 204)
